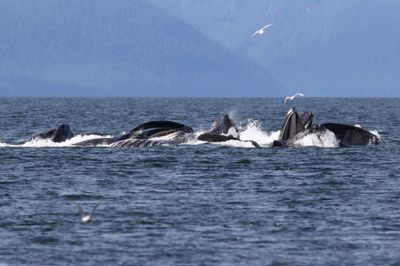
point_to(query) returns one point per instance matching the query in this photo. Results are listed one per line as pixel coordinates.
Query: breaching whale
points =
(297, 126)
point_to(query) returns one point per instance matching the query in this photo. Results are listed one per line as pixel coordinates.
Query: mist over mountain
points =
(116, 48)
(323, 48)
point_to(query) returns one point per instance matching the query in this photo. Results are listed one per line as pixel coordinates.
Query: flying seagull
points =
(85, 216)
(291, 98)
(261, 31)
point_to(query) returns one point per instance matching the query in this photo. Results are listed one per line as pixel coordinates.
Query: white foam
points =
(230, 143)
(324, 139)
(80, 138)
(376, 133)
(2, 144)
(252, 131)
(40, 143)
(232, 132)
(235, 143)
(195, 141)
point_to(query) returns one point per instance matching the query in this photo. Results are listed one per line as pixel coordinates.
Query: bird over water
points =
(291, 98)
(85, 216)
(261, 31)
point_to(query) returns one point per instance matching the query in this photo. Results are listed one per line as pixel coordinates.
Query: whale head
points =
(224, 125)
(295, 123)
(62, 133)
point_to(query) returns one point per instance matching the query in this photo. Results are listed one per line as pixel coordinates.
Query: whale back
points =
(351, 135)
(167, 125)
(155, 129)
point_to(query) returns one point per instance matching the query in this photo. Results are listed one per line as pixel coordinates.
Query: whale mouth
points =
(295, 123)
(298, 130)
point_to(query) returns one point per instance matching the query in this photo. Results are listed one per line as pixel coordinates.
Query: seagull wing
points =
(286, 99)
(266, 26)
(297, 94)
(95, 208)
(78, 205)
(255, 33)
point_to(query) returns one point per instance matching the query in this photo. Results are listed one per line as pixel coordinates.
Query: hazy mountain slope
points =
(116, 48)
(339, 48)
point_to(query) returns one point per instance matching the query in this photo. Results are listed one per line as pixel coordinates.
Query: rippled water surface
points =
(200, 204)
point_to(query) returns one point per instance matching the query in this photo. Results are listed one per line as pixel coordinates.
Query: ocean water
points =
(196, 203)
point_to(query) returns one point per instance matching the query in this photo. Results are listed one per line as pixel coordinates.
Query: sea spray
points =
(252, 131)
(39, 143)
(325, 139)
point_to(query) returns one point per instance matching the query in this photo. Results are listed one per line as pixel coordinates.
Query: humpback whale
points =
(297, 126)
(295, 123)
(156, 129)
(149, 134)
(351, 135)
(223, 129)
(59, 134)
(157, 133)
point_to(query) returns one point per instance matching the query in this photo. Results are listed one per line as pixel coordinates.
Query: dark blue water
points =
(198, 204)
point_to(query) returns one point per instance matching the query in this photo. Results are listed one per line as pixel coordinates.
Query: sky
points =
(183, 48)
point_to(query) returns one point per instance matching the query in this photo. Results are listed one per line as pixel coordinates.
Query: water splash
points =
(253, 131)
(2, 144)
(235, 143)
(250, 130)
(376, 133)
(325, 139)
(42, 143)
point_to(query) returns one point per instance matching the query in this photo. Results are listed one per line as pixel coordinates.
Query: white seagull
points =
(291, 98)
(85, 216)
(261, 31)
